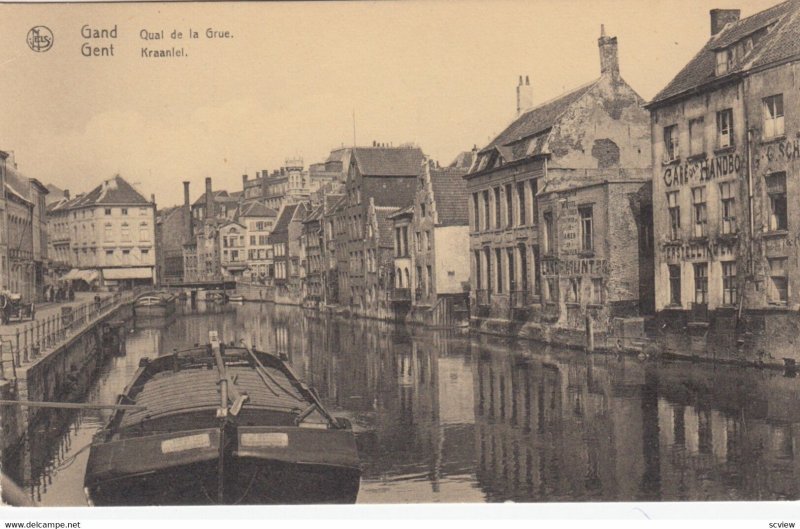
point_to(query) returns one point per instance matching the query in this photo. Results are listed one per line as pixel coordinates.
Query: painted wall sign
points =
(568, 241)
(701, 170)
(575, 267)
(698, 251)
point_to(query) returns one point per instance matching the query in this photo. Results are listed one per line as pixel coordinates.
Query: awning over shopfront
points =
(84, 275)
(128, 273)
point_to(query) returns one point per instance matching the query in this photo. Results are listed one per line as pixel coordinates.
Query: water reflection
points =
(442, 417)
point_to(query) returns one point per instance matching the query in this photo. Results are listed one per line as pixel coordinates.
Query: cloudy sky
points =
(439, 74)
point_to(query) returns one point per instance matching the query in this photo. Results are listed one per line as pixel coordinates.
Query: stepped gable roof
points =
(114, 191)
(388, 161)
(450, 194)
(257, 209)
(531, 123)
(781, 41)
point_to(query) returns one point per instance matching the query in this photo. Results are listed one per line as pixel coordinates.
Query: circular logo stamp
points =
(40, 38)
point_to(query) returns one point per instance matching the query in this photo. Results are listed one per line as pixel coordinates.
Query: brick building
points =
(380, 179)
(431, 247)
(725, 170)
(557, 228)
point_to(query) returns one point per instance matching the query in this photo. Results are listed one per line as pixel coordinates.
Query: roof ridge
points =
(785, 24)
(559, 96)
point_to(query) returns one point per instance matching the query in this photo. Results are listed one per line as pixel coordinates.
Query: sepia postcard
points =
(402, 252)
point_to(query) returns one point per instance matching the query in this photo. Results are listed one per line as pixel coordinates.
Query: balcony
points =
(400, 295)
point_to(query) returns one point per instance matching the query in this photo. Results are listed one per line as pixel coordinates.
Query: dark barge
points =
(221, 424)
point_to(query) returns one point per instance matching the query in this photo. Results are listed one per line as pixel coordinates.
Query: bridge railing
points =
(29, 340)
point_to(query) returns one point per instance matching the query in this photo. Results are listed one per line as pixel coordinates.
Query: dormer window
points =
(722, 62)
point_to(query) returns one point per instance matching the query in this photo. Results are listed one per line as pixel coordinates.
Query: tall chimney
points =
(209, 200)
(524, 95)
(609, 60)
(153, 198)
(264, 175)
(187, 214)
(244, 182)
(66, 194)
(721, 17)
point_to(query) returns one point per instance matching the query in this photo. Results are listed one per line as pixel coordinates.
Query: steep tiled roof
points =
(464, 160)
(782, 41)
(388, 161)
(533, 122)
(408, 210)
(163, 214)
(314, 215)
(257, 209)
(112, 191)
(282, 225)
(219, 196)
(450, 194)
(385, 227)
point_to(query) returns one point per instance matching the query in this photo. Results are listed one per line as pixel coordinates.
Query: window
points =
(534, 188)
(674, 284)
(429, 240)
(142, 211)
(778, 293)
(509, 205)
(419, 242)
(109, 253)
(773, 116)
(124, 211)
(476, 212)
(701, 283)
(674, 215)
(722, 62)
(512, 274)
(729, 294)
(728, 207)
(521, 203)
(499, 268)
(552, 289)
(574, 292)
(252, 240)
(696, 142)
(145, 251)
(548, 232)
(671, 143)
(422, 209)
(477, 276)
(144, 233)
(108, 211)
(497, 207)
(699, 208)
(597, 290)
(486, 213)
(776, 190)
(586, 232)
(725, 128)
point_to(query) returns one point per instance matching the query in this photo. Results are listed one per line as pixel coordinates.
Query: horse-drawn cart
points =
(13, 307)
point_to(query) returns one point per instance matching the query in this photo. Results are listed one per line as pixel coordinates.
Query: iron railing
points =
(28, 341)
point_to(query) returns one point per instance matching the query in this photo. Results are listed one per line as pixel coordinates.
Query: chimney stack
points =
(721, 17)
(209, 199)
(66, 194)
(244, 182)
(152, 198)
(524, 95)
(264, 187)
(187, 214)
(609, 60)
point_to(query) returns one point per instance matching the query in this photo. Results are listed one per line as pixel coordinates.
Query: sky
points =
(299, 79)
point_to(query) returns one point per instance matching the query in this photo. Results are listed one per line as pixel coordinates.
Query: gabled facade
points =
(287, 251)
(431, 247)
(233, 249)
(535, 192)
(112, 231)
(384, 179)
(725, 173)
(259, 221)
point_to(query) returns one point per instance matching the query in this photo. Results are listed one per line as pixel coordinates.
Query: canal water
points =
(444, 417)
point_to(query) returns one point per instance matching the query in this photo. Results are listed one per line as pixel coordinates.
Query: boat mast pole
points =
(222, 413)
